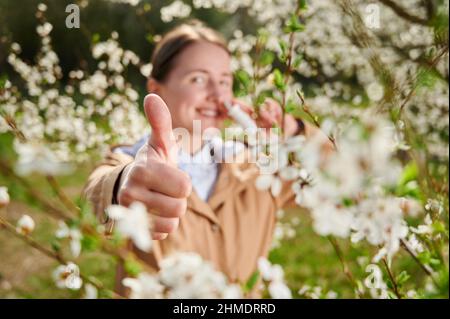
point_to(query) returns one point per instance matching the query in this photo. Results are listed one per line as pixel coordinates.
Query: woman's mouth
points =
(210, 113)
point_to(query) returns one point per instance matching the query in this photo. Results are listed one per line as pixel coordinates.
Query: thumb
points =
(161, 138)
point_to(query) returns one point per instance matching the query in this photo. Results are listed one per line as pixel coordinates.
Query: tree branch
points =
(401, 12)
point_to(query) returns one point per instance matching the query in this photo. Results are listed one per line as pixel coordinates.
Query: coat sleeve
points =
(100, 187)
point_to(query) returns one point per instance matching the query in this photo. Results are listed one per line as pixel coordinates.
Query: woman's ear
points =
(153, 86)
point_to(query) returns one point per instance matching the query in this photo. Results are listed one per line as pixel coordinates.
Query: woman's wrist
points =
(118, 184)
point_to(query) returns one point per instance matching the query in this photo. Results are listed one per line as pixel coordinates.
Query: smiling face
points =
(197, 85)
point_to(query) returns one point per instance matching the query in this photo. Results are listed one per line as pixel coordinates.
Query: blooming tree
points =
(373, 78)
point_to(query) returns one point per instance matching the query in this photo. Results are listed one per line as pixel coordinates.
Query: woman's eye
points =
(225, 83)
(198, 79)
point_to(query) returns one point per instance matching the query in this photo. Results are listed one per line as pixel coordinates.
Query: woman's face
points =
(196, 87)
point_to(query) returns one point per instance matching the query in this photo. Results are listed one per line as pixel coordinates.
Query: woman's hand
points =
(153, 178)
(270, 115)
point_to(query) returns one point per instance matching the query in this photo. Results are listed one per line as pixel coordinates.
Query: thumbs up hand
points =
(153, 177)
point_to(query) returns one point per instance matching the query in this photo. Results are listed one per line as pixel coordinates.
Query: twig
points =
(288, 71)
(306, 109)
(52, 254)
(427, 269)
(430, 66)
(344, 264)
(391, 277)
(48, 206)
(61, 195)
(404, 14)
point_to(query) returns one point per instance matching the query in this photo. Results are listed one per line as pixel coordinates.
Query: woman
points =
(199, 206)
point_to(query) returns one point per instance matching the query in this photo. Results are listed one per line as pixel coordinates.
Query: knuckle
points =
(126, 195)
(179, 208)
(139, 172)
(172, 225)
(184, 185)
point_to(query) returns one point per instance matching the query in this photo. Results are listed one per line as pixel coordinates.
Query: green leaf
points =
(407, 184)
(132, 267)
(149, 38)
(263, 36)
(290, 107)
(293, 25)
(243, 77)
(267, 58)
(56, 245)
(439, 227)
(242, 82)
(89, 243)
(435, 261)
(348, 202)
(426, 78)
(95, 38)
(284, 49)
(303, 5)
(3, 79)
(297, 61)
(410, 173)
(251, 282)
(147, 7)
(392, 295)
(411, 189)
(279, 80)
(424, 257)
(262, 96)
(402, 277)
(72, 223)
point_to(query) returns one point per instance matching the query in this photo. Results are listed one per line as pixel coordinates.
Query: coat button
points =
(215, 227)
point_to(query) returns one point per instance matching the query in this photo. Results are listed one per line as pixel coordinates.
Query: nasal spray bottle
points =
(225, 149)
(245, 120)
(242, 118)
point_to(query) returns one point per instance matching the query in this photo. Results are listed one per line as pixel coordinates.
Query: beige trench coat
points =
(232, 229)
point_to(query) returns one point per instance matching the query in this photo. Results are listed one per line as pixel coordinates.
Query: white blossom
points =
(91, 291)
(279, 290)
(25, 225)
(426, 228)
(177, 9)
(375, 91)
(73, 234)
(381, 222)
(146, 69)
(145, 286)
(68, 276)
(133, 222)
(182, 275)
(44, 29)
(4, 196)
(42, 7)
(274, 275)
(40, 159)
(188, 276)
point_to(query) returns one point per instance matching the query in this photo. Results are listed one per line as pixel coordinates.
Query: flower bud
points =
(4, 197)
(25, 225)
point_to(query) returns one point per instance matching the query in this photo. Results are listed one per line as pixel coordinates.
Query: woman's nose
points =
(214, 90)
(215, 93)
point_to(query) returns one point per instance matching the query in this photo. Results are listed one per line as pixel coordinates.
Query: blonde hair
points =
(176, 40)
